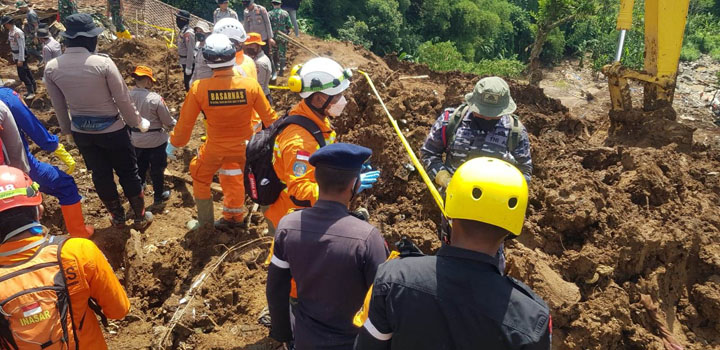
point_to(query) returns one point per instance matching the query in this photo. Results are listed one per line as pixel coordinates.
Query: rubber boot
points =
(75, 222)
(124, 35)
(117, 213)
(227, 225)
(206, 214)
(143, 218)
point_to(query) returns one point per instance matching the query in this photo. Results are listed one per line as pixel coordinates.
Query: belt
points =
(181, 56)
(15, 51)
(149, 130)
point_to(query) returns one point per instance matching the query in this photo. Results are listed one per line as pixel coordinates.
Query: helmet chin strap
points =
(321, 110)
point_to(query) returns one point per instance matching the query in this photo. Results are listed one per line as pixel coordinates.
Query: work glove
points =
(188, 71)
(144, 125)
(443, 178)
(170, 151)
(65, 157)
(368, 179)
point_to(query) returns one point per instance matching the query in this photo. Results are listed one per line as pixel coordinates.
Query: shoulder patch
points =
(299, 168)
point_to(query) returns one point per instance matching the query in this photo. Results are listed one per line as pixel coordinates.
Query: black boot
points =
(143, 218)
(117, 212)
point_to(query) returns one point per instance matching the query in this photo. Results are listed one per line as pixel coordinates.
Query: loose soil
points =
(610, 217)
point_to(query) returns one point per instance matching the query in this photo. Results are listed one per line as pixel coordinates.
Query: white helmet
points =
(319, 74)
(219, 51)
(232, 28)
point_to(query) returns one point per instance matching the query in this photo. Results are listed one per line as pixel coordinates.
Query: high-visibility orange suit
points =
(88, 275)
(293, 148)
(244, 63)
(228, 101)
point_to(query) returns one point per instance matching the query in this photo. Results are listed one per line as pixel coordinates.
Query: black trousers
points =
(187, 78)
(104, 153)
(154, 159)
(27, 78)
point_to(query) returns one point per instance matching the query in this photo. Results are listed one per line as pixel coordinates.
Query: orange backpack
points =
(35, 310)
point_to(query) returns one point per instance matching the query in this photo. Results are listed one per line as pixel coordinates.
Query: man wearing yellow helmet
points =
(459, 299)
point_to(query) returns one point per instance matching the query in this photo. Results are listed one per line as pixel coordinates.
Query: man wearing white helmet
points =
(320, 82)
(234, 30)
(228, 100)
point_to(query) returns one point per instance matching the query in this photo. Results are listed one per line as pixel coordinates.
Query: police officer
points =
(458, 299)
(330, 286)
(16, 37)
(482, 126)
(186, 46)
(90, 87)
(223, 11)
(51, 48)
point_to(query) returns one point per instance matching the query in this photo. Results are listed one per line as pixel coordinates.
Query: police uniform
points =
(185, 46)
(257, 20)
(332, 256)
(477, 137)
(455, 300)
(220, 14)
(51, 47)
(16, 38)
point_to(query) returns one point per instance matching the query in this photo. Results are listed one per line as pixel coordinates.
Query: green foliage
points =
(690, 53)
(355, 32)
(554, 48)
(444, 56)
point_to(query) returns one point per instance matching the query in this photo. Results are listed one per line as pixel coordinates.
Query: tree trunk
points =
(534, 73)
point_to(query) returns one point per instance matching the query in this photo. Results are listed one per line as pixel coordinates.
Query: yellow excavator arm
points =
(664, 29)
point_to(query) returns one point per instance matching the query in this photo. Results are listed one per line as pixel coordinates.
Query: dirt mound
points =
(607, 221)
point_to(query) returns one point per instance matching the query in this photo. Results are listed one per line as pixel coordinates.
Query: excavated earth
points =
(610, 218)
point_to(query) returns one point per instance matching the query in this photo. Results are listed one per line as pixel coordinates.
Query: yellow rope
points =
(169, 42)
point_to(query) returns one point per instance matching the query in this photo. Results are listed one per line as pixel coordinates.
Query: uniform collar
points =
(330, 205)
(304, 110)
(139, 89)
(224, 73)
(465, 254)
(76, 50)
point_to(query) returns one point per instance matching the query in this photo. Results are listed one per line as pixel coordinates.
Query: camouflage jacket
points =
(280, 21)
(475, 138)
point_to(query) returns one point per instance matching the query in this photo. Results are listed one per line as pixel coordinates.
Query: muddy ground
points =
(610, 218)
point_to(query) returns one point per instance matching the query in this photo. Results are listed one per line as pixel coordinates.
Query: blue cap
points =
(343, 156)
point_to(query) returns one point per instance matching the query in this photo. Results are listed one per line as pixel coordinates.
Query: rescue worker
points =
(321, 83)
(223, 11)
(12, 152)
(292, 6)
(51, 48)
(234, 30)
(17, 46)
(256, 20)
(485, 127)
(52, 180)
(227, 100)
(459, 299)
(115, 12)
(87, 277)
(100, 110)
(264, 67)
(65, 9)
(202, 70)
(280, 21)
(150, 146)
(185, 45)
(32, 23)
(330, 286)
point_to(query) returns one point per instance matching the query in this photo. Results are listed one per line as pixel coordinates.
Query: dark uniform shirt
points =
(333, 257)
(455, 300)
(475, 137)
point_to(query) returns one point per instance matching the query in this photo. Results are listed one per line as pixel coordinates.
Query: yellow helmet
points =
(488, 190)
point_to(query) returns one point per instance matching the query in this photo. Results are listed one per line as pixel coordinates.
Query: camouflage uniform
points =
(66, 8)
(116, 13)
(33, 46)
(474, 138)
(280, 21)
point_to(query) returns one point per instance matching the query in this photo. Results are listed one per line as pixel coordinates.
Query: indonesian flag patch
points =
(303, 155)
(32, 309)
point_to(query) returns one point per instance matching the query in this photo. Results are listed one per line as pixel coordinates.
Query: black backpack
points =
(261, 181)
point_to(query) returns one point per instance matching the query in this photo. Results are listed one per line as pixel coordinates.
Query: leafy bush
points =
(444, 57)
(355, 32)
(690, 53)
(715, 54)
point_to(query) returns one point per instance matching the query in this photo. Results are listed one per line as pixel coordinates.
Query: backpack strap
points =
(308, 125)
(515, 132)
(453, 122)
(60, 241)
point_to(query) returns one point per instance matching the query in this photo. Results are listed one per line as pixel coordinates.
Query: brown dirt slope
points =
(607, 221)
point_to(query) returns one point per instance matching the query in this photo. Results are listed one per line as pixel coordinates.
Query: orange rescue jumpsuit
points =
(89, 275)
(244, 63)
(293, 147)
(227, 100)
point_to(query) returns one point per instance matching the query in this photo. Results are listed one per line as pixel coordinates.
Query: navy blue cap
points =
(80, 24)
(343, 156)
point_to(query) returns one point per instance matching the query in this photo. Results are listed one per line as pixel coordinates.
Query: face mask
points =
(200, 36)
(181, 22)
(337, 109)
(250, 52)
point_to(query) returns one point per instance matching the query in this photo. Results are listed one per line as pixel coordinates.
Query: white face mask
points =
(337, 108)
